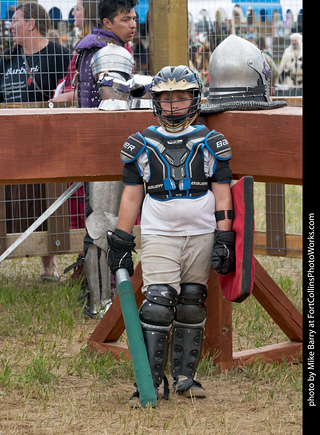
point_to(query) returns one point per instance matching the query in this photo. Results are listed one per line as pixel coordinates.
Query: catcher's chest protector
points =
(238, 285)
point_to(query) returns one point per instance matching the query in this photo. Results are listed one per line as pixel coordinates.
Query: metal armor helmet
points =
(171, 79)
(239, 78)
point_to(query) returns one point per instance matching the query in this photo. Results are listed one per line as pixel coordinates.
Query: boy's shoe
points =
(134, 400)
(196, 390)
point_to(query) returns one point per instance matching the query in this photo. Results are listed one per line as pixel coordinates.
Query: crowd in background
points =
(279, 38)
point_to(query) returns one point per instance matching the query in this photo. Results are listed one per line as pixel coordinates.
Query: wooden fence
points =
(63, 145)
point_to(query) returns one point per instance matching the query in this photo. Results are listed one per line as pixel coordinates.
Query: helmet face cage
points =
(171, 79)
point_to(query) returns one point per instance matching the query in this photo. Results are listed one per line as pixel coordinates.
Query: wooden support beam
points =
(277, 305)
(111, 326)
(266, 144)
(170, 33)
(290, 351)
(218, 331)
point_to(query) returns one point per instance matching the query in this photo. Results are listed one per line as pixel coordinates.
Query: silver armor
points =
(119, 90)
(239, 78)
(112, 68)
(103, 201)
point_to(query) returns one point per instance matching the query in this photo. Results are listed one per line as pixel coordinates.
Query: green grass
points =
(51, 383)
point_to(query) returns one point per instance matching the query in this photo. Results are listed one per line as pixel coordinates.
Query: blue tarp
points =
(5, 5)
(142, 9)
(265, 8)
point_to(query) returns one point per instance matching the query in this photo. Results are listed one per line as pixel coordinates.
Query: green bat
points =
(137, 346)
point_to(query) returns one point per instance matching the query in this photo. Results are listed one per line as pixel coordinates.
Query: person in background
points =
(117, 20)
(291, 65)
(117, 27)
(29, 72)
(86, 17)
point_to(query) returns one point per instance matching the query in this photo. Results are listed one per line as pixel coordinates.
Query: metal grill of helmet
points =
(176, 78)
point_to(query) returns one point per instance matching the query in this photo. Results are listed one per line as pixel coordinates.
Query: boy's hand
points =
(119, 255)
(223, 255)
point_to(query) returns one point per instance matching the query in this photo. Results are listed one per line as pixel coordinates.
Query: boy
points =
(185, 170)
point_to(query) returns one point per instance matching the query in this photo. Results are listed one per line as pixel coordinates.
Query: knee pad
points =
(191, 308)
(159, 306)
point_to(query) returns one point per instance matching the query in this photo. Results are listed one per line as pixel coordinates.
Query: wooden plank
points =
(118, 349)
(40, 241)
(111, 326)
(294, 244)
(277, 305)
(58, 222)
(3, 232)
(290, 352)
(218, 330)
(265, 144)
(37, 244)
(275, 219)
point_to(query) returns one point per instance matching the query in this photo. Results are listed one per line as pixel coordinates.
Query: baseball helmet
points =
(170, 79)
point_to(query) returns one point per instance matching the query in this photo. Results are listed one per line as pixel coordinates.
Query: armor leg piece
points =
(102, 205)
(187, 339)
(97, 275)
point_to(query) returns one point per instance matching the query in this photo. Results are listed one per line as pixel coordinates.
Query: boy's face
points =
(175, 103)
(123, 25)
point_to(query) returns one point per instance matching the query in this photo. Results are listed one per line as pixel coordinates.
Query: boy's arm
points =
(223, 198)
(223, 255)
(129, 207)
(121, 242)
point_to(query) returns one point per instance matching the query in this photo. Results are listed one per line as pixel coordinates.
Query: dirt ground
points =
(235, 404)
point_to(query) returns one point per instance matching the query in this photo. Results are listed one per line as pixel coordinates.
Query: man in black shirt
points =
(29, 72)
(31, 69)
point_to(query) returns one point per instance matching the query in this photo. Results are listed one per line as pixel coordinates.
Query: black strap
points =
(222, 215)
(248, 89)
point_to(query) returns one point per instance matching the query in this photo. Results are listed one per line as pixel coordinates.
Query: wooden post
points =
(58, 222)
(218, 332)
(170, 33)
(275, 219)
(3, 232)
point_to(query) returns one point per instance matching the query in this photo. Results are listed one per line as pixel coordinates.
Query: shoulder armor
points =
(132, 148)
(218, 145)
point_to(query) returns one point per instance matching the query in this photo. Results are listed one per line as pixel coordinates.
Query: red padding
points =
(238, 285)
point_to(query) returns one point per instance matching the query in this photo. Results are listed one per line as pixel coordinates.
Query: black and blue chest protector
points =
(176, 163)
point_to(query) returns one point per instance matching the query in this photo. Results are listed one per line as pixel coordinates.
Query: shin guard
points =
(187, 335)
(156, 316)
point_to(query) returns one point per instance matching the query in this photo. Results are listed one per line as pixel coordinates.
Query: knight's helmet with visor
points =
(239, 78)
(176, 78)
